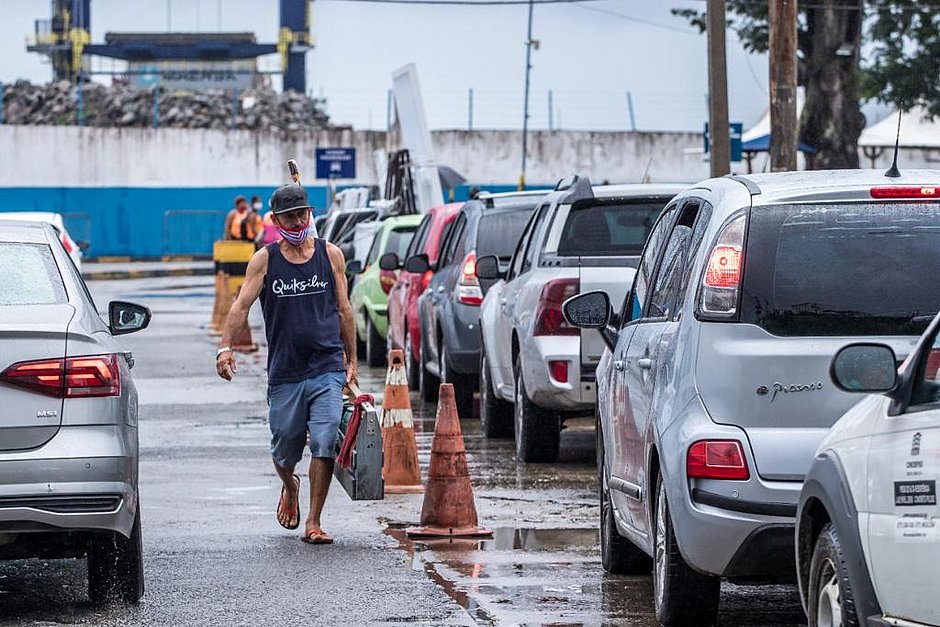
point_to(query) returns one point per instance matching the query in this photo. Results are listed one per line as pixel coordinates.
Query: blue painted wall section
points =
(152, 222)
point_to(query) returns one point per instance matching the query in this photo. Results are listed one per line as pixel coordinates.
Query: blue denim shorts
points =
(314, 405)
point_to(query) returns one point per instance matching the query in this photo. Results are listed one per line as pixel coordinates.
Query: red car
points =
(404, 323)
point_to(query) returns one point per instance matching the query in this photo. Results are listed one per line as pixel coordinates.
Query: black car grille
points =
(64, 504)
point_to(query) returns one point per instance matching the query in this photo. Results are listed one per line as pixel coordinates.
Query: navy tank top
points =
(301, 316)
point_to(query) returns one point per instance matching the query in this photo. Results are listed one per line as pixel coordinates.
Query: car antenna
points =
(893, 171)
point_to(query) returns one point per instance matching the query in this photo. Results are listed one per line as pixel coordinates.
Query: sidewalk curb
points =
(117, 275)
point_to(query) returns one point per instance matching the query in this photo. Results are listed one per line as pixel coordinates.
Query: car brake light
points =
(548, 317)
(75, 377)
(426, 279)
(722, 280)
(387, 280)
(559, 370)
(468, 292)
(906, 191)
(717, 459)
(66, 244)
(724, 267)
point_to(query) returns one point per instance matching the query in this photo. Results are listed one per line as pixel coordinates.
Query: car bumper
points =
(755, 519)
(577, 394)
(85, 478)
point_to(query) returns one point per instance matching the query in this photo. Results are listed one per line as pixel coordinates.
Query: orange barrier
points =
(401, 469)
(449, 509)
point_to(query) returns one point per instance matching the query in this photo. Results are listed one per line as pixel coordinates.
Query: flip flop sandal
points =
(293, 522)
(317, 537)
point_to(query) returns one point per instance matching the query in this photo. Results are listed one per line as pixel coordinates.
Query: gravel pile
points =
(57, 104)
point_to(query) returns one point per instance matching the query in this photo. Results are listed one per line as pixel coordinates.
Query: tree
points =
(903, 55)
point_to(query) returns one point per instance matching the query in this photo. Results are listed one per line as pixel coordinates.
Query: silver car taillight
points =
(721, 282)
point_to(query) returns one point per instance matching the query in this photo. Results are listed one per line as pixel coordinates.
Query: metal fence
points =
(191, 231)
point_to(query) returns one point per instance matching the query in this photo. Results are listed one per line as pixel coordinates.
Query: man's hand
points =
(352, 371)
(225, 365)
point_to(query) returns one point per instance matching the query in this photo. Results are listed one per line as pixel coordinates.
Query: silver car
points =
(715, 391)
(68, 428)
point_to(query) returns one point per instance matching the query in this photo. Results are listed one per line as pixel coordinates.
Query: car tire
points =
(376, 352)
(428, 384)
(830, 598)
(116, 567)
(537, 430)
(463, 385)
(496, 419)
(681, 596)
(618, 555)
(411, 364)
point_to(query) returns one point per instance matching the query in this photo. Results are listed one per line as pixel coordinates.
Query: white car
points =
(868, 524)
(74, 249)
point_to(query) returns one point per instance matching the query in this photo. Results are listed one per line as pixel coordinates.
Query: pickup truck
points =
(536, 370)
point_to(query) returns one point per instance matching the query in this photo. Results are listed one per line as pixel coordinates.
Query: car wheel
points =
(376, 353)
(116, 567)
(831, 602)
(618, 555)
(537, 431)
(428, 384)
(496, 419)
(463, 385)
(411, 364)
(681, 596)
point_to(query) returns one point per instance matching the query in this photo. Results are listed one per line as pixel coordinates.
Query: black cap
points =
(288, 198)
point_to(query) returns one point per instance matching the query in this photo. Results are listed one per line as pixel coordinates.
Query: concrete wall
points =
(146, 192)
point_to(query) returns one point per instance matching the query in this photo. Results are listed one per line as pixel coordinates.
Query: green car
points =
(369, 297)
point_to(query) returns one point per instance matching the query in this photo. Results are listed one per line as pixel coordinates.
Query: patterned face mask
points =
(295, 237)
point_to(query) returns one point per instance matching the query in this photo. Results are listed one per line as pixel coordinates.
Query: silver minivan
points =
(68, 423)
(714, 392)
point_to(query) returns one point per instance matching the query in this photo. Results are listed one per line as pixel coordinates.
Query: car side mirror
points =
(591, 310)
(353, 266)
(487, 268)
(418, 264)
(126, 317)
(869, 368)
(389, 261)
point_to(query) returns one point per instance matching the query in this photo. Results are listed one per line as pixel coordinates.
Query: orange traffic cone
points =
(401, 469)
(448, 510)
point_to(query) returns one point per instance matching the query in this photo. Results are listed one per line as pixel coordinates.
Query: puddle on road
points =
(531, 577)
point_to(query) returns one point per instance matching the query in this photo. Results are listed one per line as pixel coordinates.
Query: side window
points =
(515, 265)
(421, 236)
(636, 304)
(453, 238)
(667, 293)
(698, 234)
(927, 386)
(373, 254)
(534, 245)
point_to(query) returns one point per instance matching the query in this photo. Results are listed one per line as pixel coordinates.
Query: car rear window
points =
(30, 275)
(608, 229)
(499, 233)
(847, 269)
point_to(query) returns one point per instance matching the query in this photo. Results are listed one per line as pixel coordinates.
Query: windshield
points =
(609, 229)
(499, 233)
(860, 269)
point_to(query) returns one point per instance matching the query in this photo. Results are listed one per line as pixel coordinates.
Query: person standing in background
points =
(241, 223)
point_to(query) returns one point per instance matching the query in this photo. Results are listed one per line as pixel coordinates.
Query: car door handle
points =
(644, 363)
(618, 365)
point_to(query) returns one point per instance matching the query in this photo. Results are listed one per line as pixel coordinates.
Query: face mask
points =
(257, 206)
(296, 237)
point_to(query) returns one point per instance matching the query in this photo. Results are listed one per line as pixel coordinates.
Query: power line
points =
(638, 20)
(470, 2)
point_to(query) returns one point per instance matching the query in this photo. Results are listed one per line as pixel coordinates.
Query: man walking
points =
(311, 351)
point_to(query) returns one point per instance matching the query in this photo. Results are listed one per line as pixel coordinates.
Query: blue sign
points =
(735, 130)
(336, 163)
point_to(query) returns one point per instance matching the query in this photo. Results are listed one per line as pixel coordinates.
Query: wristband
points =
(224, 349)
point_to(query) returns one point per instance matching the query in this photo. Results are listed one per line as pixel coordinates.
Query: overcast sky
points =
(590, 55)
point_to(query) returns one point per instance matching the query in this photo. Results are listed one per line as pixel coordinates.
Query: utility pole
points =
(470, 109)
(525, 111)
(783, 114)
(551, 110)
(718, 126)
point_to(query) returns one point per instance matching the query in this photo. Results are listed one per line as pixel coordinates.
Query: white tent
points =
(762, 127)
(917, 131)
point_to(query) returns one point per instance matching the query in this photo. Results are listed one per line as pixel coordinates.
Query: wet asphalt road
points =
(215, 555)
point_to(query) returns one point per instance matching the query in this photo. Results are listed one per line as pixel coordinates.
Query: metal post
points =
(156, 106)
(630, 111)
(525, 111)
(388, 111)
(234, 109)
(169, 14)
(783, 114)
(718, 90)
(551, 111)
(470, 109)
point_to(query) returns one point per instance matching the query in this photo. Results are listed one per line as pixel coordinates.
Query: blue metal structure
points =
(66, 37)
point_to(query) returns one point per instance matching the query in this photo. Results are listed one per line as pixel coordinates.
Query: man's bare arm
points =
(347, 325)
(238, 314)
